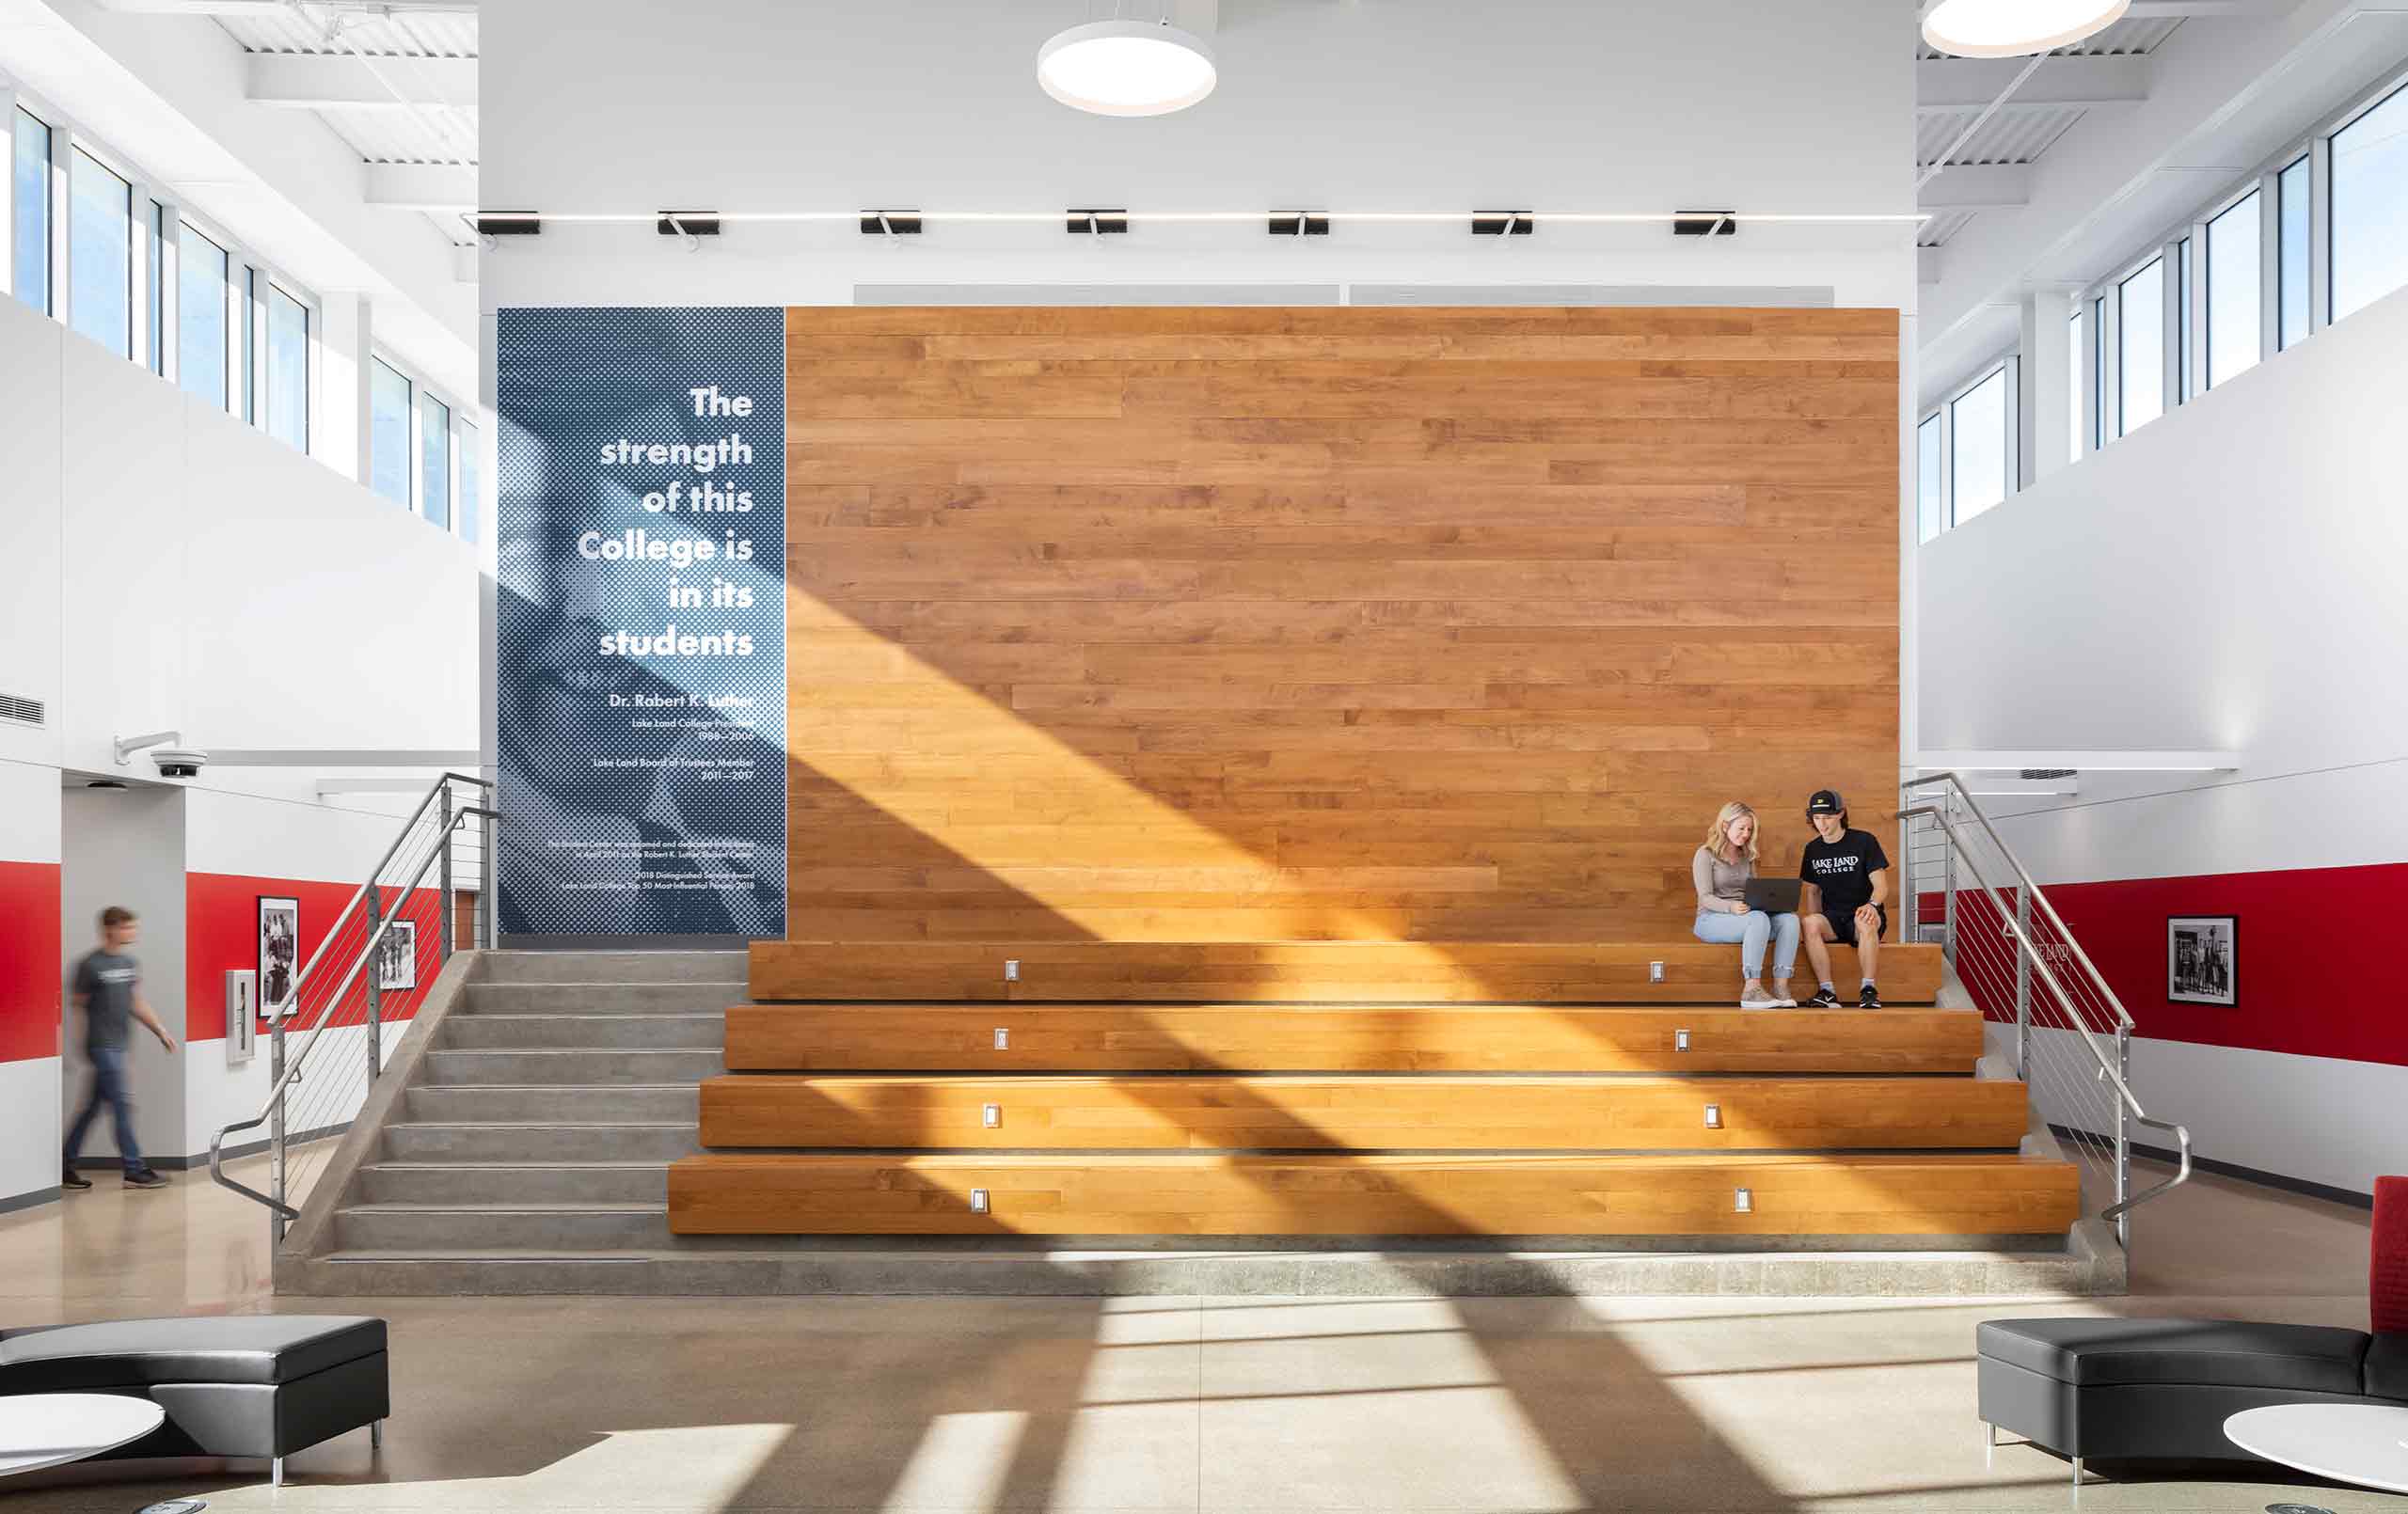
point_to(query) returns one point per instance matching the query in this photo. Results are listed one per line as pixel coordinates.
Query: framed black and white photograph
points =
(280, 922)
(2203, 959)
(397, 956)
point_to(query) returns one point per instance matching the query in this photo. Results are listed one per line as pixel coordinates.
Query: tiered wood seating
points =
(1346, 1088)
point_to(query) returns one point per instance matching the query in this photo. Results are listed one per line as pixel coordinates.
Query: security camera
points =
(180, 762)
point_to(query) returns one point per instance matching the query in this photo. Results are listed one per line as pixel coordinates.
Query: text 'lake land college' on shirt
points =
(1844, 869)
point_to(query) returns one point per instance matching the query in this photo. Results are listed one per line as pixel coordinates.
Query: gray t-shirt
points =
(1718, 879)
(106, 980)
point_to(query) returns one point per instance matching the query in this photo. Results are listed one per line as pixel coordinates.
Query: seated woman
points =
(1721, 870)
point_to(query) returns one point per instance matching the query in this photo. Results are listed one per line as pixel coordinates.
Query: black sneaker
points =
(144, 1178)
(1869, 998)
(1824, 999)
(70, 1177)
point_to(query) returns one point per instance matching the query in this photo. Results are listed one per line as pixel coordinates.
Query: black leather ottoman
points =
(2164, 1387)
(234, 1385)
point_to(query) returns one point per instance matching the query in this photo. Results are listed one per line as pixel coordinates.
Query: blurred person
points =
(107, 987)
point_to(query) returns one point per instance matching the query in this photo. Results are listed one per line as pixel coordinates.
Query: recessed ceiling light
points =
(1125, 68)
(2016, 28)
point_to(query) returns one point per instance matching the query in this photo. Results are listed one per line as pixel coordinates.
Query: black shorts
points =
(1844, 924)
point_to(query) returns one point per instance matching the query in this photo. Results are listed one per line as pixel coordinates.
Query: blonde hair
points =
(1718, 836)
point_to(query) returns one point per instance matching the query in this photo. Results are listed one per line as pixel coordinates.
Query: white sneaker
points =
(1758, 998)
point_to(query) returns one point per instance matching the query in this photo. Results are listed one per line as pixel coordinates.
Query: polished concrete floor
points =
(950, 1405)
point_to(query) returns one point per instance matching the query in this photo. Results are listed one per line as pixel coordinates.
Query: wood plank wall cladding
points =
(1247, 625)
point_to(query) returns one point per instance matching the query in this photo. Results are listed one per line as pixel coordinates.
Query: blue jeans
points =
(1751, 931)
(108, 1083)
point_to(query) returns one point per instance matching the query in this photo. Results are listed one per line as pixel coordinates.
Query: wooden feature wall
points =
(1246, 625)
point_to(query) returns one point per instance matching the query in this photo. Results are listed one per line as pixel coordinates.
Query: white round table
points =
(47, 1430)
(2361, 1444)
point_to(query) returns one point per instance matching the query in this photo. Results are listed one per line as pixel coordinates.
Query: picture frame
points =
(2203, 959)
(278, 940)
(397, 957)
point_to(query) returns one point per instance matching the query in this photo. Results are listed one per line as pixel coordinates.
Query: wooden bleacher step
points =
(1363, 972)
(1361, 1113)
(1095, 1037)
(1182, 1194)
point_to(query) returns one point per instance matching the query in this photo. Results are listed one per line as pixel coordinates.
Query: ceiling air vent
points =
(22, 710)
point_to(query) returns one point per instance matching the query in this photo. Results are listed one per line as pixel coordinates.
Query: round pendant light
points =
(2016, 28)
(1125, 68)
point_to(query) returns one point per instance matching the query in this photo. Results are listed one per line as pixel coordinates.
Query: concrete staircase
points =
(526, 1142)
(533, 1140)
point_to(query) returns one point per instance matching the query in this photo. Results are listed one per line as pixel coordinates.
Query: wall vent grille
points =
(23, 710)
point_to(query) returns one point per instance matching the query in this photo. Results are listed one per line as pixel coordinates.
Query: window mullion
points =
(2111, 379)
(2319, 233)
(9, 197)
(2270, 263)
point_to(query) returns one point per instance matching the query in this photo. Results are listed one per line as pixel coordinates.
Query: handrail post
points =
(443, 883)
(2124, 1141)
(275, 1125)
(2023, 983)
(1948, 896)
(488, 908)
(376, 993)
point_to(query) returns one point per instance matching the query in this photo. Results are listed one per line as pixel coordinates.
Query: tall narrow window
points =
(1927, 492)
(1978, 419)
(2370, 206)
(2183, 289)
(389, 434)
(2236, 262)
(471, 507)
(155, 268)
(201, 298)
(246, 306)
(287, 370)
(29, 206)
(2141, 362)
(99, 227)
(2073, 382)
(2293, 259)
(2102, 403)
(434, 460)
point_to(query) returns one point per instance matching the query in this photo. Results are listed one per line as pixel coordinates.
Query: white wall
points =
(173, 568)
(127, 847)
(2225, 578)
(1410, 104)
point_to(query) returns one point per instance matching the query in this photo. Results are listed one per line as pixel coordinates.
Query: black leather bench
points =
(233, 1385)
(2164, 1387)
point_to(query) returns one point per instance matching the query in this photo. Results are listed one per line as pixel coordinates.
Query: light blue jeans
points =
(1751, 931)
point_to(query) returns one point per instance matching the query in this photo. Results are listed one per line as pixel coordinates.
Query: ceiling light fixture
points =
(1127, 68)
(2016, 28)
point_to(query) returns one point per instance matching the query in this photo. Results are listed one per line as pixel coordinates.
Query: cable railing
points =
(2020, 962)
(332, 1019)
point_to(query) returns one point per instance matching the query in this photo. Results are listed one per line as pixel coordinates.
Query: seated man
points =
(1847, 880)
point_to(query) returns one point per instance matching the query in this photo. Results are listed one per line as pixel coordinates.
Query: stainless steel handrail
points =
(292, 1070)
(2030, 958)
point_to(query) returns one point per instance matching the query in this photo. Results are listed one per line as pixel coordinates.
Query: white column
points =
(2046, 440)
(340, 438)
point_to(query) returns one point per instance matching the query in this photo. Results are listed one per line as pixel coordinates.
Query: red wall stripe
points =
(31, 984)
(221, 926)
(2315, 956)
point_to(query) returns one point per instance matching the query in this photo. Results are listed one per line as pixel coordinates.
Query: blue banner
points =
(639, 623)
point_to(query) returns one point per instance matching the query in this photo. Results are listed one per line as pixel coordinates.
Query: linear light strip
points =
(1412, 217)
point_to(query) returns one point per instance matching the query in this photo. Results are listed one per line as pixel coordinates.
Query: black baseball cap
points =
(1826, 801)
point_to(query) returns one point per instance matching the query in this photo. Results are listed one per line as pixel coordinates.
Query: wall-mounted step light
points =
(991, 1117)
(890, 223)
(1743, 1201)
(1680, 1040)
(1011, 970)
(509, 224)
(1706, 224)
(1298, 224)
(1003, 1039)
(1713, 1117)
(1098, 221)
(1503, 224)
(978, 1200)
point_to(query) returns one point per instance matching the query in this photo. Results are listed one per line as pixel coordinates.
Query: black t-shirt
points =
(106, 980)
(1844, 869)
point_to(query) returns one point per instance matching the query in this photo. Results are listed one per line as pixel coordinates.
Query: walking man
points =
(108, 989)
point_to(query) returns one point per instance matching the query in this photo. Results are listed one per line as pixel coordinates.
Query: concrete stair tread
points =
(512, 1166)
(544, 1125)
(531, 1206)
